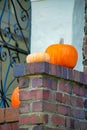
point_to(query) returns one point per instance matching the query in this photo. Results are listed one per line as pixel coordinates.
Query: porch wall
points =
(52, 97)
(9, 118)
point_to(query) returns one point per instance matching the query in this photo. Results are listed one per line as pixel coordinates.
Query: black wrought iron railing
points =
(15, 36)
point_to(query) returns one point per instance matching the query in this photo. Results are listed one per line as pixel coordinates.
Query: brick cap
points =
(57, 71)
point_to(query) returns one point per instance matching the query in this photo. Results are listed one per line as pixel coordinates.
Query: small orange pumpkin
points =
(37, 57)
(15, 98)
(63, 54)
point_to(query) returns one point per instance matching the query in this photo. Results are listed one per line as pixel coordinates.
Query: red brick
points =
(52, 69)
(31, 94)
(33, 119)
(24, 108)
(85, 103)
(86, 115)
(66, 99)
(46, 94)
(85, 50)
(11, 114)
(39, 127)
(71, 123)
(9, 126)
(76, 89)
(76, 75)
(85, 69)
(2, 118)
(77, 113)
(83, 78)
(37, 106)
(37, 82)
(83, 125)
(73, 101)
(70, 74)
(79, 91)
(38, 67)
(49, 107)
(80, 102)
(65, 86)
(82, 92)
(44, 82)
(52, 83)
(23, 82)
(58, 120)
(59, 97)
(64, 110)
(23, 128)
(85, 40)
(64, 73)
(48, 128)
(58, 71)
(52, 96)
(37, 94)
(63, 98)
(43, 106)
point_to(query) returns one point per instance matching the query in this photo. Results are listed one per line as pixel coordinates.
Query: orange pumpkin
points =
(15, 98)
(63, 54)
(38, 57)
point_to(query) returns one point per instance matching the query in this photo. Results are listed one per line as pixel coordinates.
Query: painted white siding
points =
(53, 19)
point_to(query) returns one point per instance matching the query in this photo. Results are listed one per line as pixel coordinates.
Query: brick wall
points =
(9, 118)
(52, 97)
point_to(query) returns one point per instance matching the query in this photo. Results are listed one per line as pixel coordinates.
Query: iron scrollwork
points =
(15, 34)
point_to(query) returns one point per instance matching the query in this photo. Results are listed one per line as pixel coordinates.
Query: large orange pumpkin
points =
(15, 98)
(63, 54)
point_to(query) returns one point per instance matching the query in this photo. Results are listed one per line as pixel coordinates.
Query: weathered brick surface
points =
(2, 115)
(54, 98)
(33, 119)
(72, 123)
(45, 128)
(49, 107)
(9, 126)
(24, 82)
(83, 125)
(31, 95)
(49, 69)
(9, 118)
(24, 107)
(24, 129)
(37, 106)
(77, 113)
(58, 120)
(38, 128)
(44, 81)
(11, 114)
(65, 86)
(63, 110)
(77, 102)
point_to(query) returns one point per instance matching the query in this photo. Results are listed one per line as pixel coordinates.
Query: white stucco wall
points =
(78, 29)
(53, 19)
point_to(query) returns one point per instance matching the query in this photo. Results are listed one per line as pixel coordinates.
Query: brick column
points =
(52, 97)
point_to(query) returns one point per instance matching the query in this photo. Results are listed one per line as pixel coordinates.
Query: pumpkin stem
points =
(61, 41)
